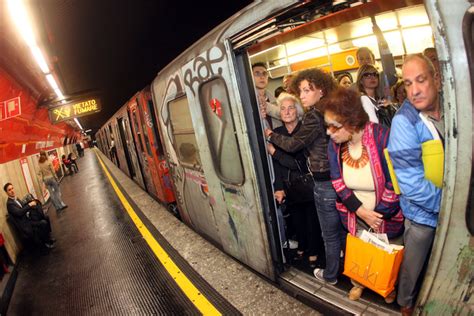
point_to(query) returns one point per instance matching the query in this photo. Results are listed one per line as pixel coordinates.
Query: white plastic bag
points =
(379, 241)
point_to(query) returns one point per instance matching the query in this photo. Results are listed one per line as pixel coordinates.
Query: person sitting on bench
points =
(69, 165)
(29, 219)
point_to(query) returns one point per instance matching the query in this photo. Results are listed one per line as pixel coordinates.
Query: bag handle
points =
(434, 132)
(299, 168)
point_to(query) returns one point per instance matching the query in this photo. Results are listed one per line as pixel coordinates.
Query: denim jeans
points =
(331, 227)
(54, 191)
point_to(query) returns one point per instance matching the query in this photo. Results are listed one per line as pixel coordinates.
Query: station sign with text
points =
(74, 109)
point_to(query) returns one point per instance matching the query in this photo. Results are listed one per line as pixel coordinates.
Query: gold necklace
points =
(351, 162)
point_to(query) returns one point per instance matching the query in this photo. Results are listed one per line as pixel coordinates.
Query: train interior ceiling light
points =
(406, 31)
(23, 22)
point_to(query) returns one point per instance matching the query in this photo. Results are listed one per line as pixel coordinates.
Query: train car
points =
(139, 152)
(212, 133)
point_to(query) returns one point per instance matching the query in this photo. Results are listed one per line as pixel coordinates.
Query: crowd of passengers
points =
(336, 131)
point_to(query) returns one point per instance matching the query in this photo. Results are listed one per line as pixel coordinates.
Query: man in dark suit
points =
(29, 218)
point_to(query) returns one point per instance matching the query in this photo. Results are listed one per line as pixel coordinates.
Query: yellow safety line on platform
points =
(198, 299)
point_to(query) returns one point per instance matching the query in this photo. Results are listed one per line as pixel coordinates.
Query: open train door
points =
(226, 158)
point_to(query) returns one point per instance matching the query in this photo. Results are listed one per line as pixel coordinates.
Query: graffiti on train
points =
(204, 67)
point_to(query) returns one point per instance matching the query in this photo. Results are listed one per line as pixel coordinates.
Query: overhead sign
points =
(74, 109)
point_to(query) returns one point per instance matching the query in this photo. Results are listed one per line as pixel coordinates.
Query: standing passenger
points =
(367, 84)
(47, 175)
(420, 119)
(268, 109)
(344, 80)
(289, 166)
(359, 172)
(312, 85)
(386, 79)
(113, 151)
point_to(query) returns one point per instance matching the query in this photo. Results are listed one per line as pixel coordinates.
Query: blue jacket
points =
(420, 198)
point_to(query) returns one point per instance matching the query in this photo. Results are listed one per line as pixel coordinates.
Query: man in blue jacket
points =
(420, 119)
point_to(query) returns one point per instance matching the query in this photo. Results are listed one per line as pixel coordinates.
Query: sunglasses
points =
(333, 128)
(371, 74)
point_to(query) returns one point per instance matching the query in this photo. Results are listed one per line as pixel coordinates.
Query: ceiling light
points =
(22, 22)
(52, 82)
(78, 124)
(38, 55)
(60, 95)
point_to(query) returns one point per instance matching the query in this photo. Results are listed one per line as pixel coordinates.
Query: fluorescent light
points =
(40, 59)
(265, 50)
(78, 124)
(59, 94)
(22, 21)
(52, 82)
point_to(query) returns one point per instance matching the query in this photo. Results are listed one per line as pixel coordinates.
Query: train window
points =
(154, 127)
(137, 129)
(144, 131)
(183, 133)
(220, 131)
(118, 143)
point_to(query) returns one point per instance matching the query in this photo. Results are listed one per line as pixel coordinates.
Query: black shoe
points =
(49, 246)
(51, 240)
(62, 208)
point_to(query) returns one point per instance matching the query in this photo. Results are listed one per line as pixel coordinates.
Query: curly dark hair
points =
(346, 105)
(317, 78)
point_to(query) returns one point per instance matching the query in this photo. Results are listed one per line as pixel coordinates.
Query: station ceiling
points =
(110, 47)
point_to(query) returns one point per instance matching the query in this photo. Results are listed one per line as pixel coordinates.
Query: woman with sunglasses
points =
(359, 172)
(312, 85)
(367, 84)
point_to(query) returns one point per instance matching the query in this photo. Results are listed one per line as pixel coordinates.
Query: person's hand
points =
(384, 103)
(279, 196)
(32, 203)
(263, 110)
(268, 132)
(271, 149)
(372, 218)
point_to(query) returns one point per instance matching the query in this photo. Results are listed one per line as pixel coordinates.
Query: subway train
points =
(194, 138)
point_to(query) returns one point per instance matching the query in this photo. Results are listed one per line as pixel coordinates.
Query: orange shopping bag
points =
(372, 267)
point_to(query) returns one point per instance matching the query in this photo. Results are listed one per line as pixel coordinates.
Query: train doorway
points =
(131, 170)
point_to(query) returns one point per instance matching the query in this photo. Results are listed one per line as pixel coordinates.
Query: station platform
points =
(120, 252)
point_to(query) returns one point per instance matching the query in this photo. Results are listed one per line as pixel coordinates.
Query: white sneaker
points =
(318, 274)
(293, 244)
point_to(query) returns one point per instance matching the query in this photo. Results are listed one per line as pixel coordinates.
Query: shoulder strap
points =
(430, 126)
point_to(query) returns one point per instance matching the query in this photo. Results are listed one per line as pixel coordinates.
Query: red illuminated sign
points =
(10, 108)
